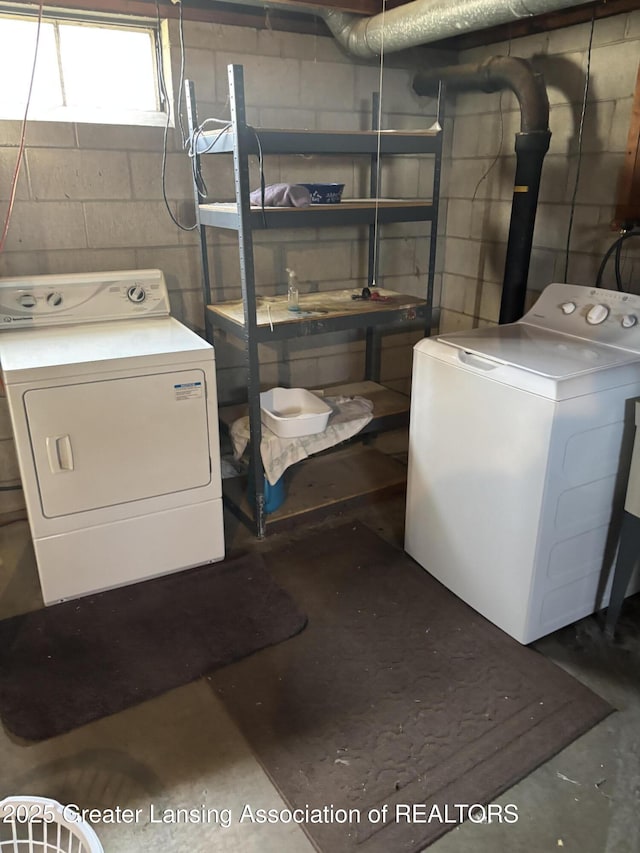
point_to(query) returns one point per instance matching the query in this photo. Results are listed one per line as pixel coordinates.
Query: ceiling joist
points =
(264, 17)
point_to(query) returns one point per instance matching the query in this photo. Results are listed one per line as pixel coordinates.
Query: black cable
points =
(617, 266)
(183, 135)
(16, 488)
(497, 157)
(262, 179)
(587, 79)
(165, 97)
(615, 247)
(193, 144)
(23, 133)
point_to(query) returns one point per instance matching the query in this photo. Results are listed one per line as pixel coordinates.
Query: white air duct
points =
(424, 21)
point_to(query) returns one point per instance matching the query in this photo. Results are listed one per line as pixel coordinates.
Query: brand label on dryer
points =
(187, 390)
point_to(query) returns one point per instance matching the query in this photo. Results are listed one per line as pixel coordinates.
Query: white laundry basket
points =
(40, 825)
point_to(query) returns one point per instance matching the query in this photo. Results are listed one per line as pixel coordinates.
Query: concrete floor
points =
(182, 750)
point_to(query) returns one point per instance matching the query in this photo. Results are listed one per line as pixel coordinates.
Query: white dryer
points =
(114, 410)
(518, 459)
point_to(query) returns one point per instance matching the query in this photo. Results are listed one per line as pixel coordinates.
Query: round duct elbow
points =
(350, 31)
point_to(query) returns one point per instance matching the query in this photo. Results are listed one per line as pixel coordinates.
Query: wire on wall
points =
(23, 134)
(616, 250)
(378, 161)
(585, 94)
(164, 94)
(183, 135)
(499, 152)
(193, 149)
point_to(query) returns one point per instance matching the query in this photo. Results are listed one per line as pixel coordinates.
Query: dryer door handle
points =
(59, 453)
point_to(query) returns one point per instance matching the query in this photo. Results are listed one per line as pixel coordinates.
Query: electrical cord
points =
(183, 135)
(165, 139)
(193, 146)
(376, 241)
(587, 78)
(615, 249)
(497, 157)
(23, 135)
(499, 152)
(193, 150)
(262, 178)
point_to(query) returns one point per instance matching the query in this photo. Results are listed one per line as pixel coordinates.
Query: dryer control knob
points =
(136, 293)
(568, 307)
(628, 321)
(597, 314)
(54, 299)
(27, 300)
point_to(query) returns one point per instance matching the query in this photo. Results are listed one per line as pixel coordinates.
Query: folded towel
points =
(282, 195)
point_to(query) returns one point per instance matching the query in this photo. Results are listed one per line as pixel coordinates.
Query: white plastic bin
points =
(290, 412)
(41, 825)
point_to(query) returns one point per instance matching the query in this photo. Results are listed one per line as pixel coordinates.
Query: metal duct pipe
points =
(424, 21)
(532, 143)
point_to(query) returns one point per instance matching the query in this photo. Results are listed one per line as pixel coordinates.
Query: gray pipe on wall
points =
(493, 75)
(532, 143)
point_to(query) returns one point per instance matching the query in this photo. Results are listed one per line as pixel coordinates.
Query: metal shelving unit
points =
(248, 318)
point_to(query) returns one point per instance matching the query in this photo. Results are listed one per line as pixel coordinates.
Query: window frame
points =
(160, 117)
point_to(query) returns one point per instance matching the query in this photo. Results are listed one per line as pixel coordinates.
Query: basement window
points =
(85, 70)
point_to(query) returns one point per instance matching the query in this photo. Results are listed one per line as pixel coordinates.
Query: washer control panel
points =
(606, 316)
(47, 300)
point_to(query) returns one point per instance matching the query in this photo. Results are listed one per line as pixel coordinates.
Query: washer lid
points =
(539, 351)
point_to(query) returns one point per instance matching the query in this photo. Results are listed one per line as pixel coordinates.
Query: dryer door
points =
(96, 444)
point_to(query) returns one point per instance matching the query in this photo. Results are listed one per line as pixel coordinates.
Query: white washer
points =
(114, 411)
(518, 455)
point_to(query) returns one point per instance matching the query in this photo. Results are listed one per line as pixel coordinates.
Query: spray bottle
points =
(293, 301)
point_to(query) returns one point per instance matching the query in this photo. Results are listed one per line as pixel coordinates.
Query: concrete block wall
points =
(479, 176)
(90, 198)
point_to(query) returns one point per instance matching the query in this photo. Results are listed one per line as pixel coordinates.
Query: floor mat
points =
(398, 706)
(74, 662)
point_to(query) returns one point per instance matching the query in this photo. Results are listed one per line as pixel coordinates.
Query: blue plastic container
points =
(324, 193)
(274, 496)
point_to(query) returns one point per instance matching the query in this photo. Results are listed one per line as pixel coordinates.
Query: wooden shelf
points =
(323, 484)
(256, 320)
(347, 212)
(390, 408)
(326, 311)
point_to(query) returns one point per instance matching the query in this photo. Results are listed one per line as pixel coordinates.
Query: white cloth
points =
(349, 416)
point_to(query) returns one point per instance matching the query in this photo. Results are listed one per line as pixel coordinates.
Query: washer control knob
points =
(568, 307)
(597, 314)
(27, 300)
(136, 293)
(628, 321)
(54, 299)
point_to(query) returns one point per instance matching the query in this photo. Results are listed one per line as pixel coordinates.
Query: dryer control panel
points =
(604, 316)
(46, 300)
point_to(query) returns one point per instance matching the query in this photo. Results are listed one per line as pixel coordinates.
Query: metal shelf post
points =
(242, 319)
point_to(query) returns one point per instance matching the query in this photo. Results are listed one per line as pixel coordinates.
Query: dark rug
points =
(74, 662)
(397, 695)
